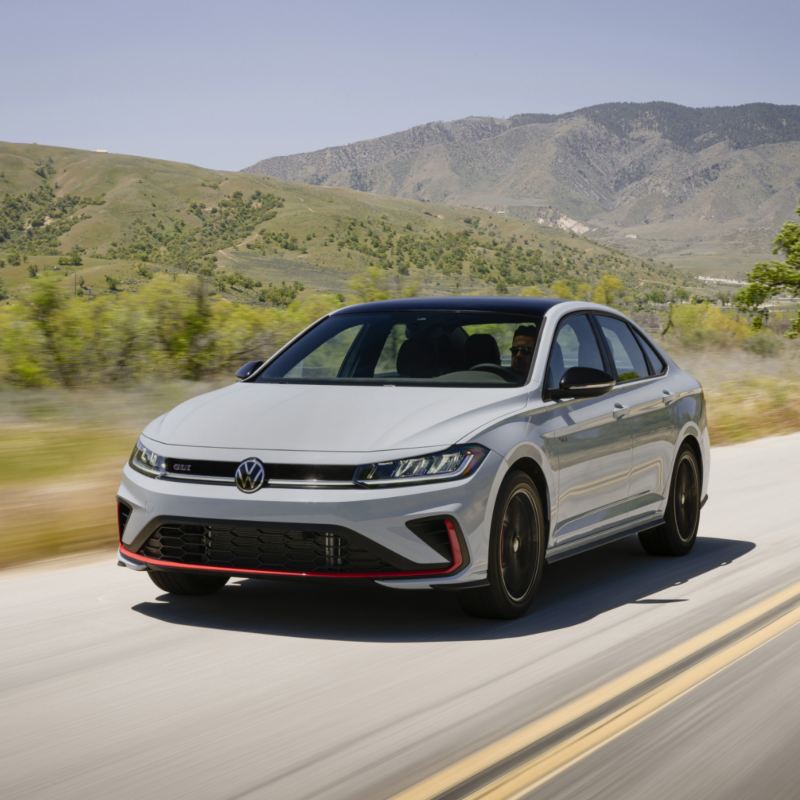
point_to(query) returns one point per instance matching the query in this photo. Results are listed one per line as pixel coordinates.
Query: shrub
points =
(169, 328)
(698, 325)
(71, 259)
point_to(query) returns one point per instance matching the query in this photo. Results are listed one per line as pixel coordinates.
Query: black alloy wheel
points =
(516, 552)
(518, 545)
(677, 535)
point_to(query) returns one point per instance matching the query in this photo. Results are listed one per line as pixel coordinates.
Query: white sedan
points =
(449, 443)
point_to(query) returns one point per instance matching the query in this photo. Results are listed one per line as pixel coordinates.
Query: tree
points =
(608, 291)
(73, 258)
(770, 278)
(562, 289)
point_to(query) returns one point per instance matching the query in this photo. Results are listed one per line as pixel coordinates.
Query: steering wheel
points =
(495, 369)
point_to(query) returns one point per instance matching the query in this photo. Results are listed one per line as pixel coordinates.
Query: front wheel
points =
(677, 535)
(187, 582)
(516, 552)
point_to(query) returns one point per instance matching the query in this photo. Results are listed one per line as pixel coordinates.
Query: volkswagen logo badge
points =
(250, 475)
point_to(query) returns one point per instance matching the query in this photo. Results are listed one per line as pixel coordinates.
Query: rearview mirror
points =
(582, 382)
(247, 369)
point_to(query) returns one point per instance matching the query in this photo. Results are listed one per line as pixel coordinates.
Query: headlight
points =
(144, 460)
(457, 462)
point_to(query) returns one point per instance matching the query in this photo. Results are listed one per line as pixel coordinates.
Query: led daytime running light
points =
(146, 461)
(457, 462)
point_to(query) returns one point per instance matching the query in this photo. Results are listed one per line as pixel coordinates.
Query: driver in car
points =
(522, 347)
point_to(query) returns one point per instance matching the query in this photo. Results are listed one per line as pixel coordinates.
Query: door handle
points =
(668, 397)
(619, 410)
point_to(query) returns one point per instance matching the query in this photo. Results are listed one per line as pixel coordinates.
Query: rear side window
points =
(657, 365)
(626, 354)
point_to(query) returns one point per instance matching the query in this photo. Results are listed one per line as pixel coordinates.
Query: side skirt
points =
(574, 548)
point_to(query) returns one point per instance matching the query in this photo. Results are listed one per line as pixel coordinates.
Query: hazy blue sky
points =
(225, 84)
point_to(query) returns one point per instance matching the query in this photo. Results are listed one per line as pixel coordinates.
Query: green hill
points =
(114, 220)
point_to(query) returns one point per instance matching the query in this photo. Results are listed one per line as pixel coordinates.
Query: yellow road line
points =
(544, 765)
(550, 763)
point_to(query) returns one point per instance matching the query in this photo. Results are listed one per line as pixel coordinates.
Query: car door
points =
(647, 413)
(588, 439)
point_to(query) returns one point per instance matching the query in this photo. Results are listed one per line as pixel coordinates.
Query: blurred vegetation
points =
(705, 325)
(174, 327)
(171, 327)
(753, 406)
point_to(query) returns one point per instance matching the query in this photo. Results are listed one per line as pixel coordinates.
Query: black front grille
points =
(270, 547)
(187, 468)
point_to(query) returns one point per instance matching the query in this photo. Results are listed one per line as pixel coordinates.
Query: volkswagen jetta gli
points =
(456, 443)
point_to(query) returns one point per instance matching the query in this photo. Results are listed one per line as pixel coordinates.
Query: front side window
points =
(437, 347)
(628, 358)
(575, 345)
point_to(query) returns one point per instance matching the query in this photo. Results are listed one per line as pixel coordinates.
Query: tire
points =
(677, 535)
(187, 582)
(516, 552)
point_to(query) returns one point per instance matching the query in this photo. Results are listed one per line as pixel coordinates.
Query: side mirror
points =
(582, 382)
(247, 369)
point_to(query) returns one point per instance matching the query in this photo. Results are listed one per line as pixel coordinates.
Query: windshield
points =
(437, 347)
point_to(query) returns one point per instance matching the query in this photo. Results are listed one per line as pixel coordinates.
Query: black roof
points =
(524, 305)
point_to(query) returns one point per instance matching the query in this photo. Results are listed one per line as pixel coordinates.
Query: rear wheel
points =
(677, 535)
(187, 582)
(516, 552)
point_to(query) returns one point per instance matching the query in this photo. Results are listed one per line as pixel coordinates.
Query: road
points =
(110, 689)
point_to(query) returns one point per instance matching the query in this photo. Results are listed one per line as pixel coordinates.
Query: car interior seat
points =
(416, 359)
(481, 348)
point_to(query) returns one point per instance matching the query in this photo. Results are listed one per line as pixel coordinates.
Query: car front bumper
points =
(378, 516)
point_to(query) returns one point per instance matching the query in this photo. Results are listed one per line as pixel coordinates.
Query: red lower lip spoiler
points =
(455, 548)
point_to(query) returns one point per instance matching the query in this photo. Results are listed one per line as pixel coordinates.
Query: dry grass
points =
(49, 518)
(753, 407)
(61, 455)
(748, 396)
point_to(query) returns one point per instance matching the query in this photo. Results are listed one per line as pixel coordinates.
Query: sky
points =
(226, 84)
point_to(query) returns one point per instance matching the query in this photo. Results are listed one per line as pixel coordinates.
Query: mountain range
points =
(705, 188)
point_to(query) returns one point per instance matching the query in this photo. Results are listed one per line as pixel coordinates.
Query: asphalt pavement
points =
(109, 688)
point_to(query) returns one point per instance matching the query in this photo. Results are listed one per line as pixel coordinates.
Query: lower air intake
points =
(273, 548)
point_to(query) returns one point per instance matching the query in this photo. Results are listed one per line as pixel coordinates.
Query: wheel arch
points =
(535, 472)
(695, 436)
(691, 441)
